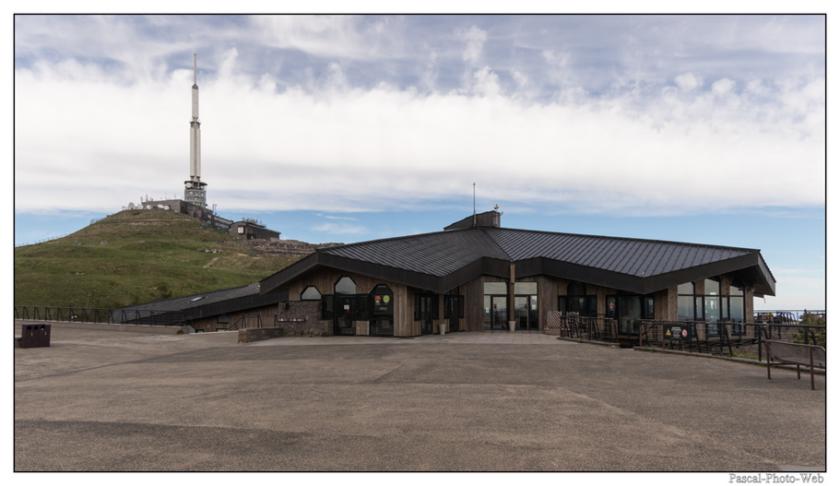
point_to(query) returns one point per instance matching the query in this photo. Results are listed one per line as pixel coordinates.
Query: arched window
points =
(345, 285)
(310, 293)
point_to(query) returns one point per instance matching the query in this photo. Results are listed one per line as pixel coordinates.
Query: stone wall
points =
(302, 318)
(258, 317)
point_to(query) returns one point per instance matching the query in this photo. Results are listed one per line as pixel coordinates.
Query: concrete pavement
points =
(100, 400)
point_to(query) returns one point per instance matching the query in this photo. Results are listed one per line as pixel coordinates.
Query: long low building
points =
(478, 276)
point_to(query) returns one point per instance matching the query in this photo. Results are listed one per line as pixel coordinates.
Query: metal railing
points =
(572, 325)
(788, 316)
(96, 315)
(250, 321)
(739, 339)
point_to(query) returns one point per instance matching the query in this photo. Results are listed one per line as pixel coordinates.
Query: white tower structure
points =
(193, 188)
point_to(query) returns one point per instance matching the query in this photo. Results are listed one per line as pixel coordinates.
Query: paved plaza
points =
(106, 400)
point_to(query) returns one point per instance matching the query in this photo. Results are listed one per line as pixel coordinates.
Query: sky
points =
(345, 128)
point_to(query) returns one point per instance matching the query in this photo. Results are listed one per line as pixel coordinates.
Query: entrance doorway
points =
(453, 311)
(495, 312)
(343, 324)
(426, 312)
(526, 312)
(381, 311)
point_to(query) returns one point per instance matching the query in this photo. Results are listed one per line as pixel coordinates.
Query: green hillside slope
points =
(134, 257)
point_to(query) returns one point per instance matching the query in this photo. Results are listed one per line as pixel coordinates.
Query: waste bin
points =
(35, 336)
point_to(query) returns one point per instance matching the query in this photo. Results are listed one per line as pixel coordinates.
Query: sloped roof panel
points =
(640, 258)
(436, 254)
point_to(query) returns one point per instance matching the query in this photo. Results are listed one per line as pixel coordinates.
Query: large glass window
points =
(685, 302)
(345, 285)
(736, 309)
(525, 288)
(495, 288)
(711, 307)
(712, 287)
(648, 307)
(584, 305)
(685, 307)
(310, 293)
(580, 301)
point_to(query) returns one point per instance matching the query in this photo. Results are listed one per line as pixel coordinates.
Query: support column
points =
(511, 312)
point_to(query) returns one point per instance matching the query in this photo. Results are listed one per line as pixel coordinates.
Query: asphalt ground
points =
(120, 401)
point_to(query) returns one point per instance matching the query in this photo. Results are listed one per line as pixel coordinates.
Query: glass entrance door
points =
(526, 313)
(629, 313)
(343, 324)
(425, 311)
(495, 312)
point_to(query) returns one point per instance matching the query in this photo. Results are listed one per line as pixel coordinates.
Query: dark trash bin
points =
(35, 336)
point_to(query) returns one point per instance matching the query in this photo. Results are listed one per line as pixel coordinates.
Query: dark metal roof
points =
(203, 305)
(640, 258)
(443, 260)
(197, 300)
(437, 254)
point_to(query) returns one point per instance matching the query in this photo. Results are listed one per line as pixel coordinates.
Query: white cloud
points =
(687, 81)
(340, 228)
(722, 86)
(474, 39)
(87, 141)
(485, 82)
(520, 79)
(321, 35)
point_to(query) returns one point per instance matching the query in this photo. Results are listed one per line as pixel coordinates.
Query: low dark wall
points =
(251, 335)
(302, 318)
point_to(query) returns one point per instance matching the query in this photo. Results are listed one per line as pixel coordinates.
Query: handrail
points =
(97, 315)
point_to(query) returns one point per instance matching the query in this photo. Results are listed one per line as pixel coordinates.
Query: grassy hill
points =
(137, 256)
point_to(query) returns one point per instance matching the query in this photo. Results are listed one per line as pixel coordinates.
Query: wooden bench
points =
(782, 352)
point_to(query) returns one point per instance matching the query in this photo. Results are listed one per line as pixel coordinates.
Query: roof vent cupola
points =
(487, 219)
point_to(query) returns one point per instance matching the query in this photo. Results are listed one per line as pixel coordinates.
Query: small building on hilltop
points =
(249, 229)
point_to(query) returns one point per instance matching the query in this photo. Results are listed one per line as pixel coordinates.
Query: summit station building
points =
(476, 275)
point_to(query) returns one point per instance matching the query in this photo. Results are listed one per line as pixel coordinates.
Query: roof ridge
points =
(390, 238)
(627, 238)
(499, 246)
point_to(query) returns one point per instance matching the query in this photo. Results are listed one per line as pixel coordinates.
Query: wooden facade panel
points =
(474, 305)
(404, 312)
(324, 280)
(547, 289)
